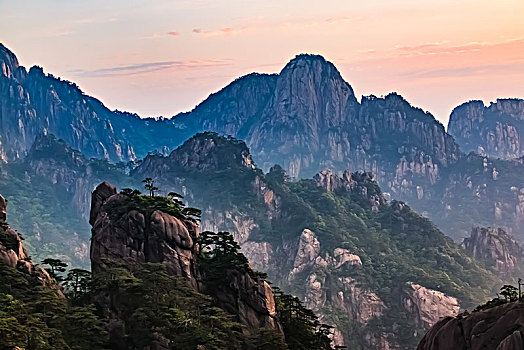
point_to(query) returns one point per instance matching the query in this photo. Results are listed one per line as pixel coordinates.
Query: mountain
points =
(497, 248)
(154, 286)
(360, 262)
(32, 103)
(500, 328)
(496, 130)
(306, 119)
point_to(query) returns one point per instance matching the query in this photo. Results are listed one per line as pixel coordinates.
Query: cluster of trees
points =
(154, 307)
(34, 317)
(302, 328)
(507, 294)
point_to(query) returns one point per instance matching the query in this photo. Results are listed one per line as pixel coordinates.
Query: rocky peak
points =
(495, 130)
(362, 184)
(499, 328)
(14, 254)
(209, 151)
(513, 107)
(311, 93)
(8, 62)
(48, 147)
(496, 247)
(329, 181)
(133, 236)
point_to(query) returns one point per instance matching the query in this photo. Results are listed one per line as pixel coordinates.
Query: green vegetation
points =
(155, 305)
(117, 308)
(34, 317)
(509, 294)
(301, 326)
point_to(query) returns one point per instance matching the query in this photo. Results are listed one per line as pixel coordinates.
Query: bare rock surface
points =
(496, 247)
(498, 328)
(428, 306)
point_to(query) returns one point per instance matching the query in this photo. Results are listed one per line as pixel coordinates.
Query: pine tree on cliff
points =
(149, 184)
(55, 266)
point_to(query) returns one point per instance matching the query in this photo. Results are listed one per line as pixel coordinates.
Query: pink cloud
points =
(173, 33)
(227, 31)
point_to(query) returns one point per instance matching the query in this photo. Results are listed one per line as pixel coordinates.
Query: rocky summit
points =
(496, 130)
(498, 328)
(132, 235)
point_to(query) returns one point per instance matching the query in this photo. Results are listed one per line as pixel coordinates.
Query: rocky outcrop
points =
(427, 306)
(307, 252)
(134, 237)
(328, 180)
(496, 130)
(130, 236)
(496, 247)
(14, 254)
(498, 328)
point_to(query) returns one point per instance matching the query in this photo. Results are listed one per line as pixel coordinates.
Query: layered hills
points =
(306, 119)
(155, 284)
(320, 190)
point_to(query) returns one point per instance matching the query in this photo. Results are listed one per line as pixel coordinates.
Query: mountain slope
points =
(364, 265)
(32, 103)
(306, 118)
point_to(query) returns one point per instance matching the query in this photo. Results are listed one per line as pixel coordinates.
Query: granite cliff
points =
(498, 328)
(496, 130)
(131, 235)
(497, 248)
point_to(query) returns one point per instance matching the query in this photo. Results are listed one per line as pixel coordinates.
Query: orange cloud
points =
(173, 33)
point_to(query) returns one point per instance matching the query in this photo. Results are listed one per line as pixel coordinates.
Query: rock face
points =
(498, 328)
(496, 247)
(3, 210)
(426, 305)
(32, 103)
(138, 237)
(14, 254)
(496, 130)
(132, 237)
(306, 118)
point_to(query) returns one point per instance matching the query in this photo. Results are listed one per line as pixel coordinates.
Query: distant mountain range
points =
(344, 241)
(306, 119)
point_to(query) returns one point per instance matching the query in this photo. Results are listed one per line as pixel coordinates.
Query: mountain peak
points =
(317, 62)
(210, 150)
(8, 61)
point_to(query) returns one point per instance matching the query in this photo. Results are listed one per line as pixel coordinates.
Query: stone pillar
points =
(3, 209)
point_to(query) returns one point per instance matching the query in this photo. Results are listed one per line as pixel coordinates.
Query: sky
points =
(161, 57)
